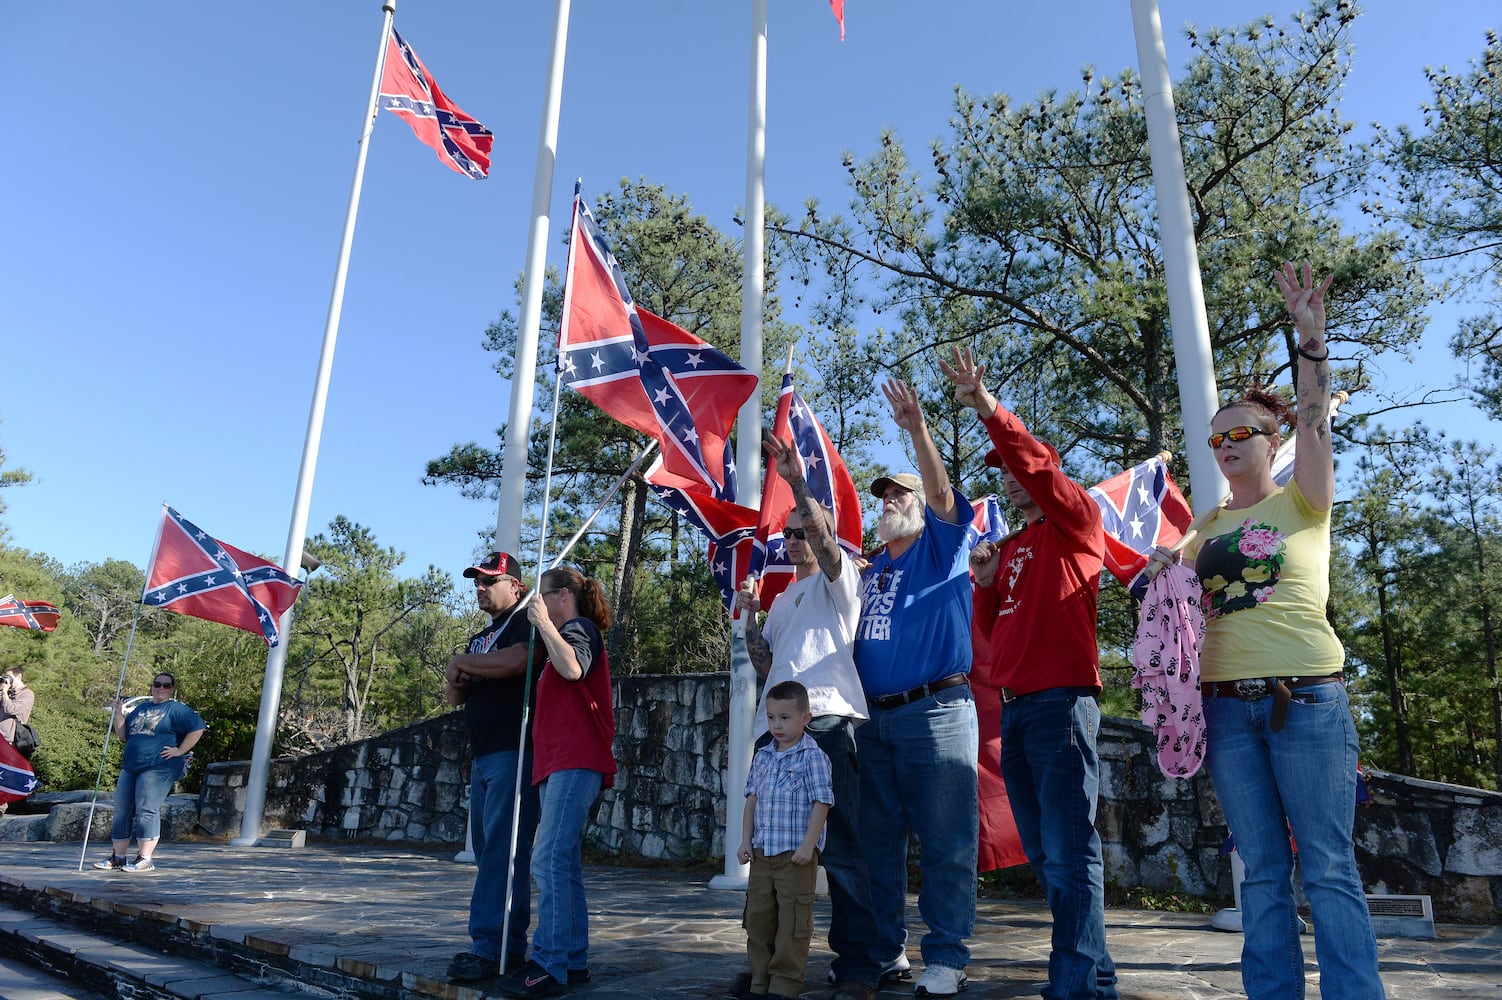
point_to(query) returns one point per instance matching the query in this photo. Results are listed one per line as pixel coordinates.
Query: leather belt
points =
(1252, 688)
(1008, 695)
(1278, 688)
(920, 692)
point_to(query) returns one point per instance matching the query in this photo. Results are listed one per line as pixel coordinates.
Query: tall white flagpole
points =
(513, 489)
(508, 517)
(1186, 296)
(742, 703)
(276, 659)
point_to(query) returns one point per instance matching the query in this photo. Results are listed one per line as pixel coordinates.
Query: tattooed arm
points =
(756, 642)
(817, 520)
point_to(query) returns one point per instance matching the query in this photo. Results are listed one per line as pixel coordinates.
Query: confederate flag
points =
(730, 528)
(828, 481)
(38, 615)
(642, 370)
(17, 779)
(196, 575)
(1141, 509)
(410, 93)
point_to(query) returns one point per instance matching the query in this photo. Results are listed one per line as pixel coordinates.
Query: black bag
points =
(26, 741)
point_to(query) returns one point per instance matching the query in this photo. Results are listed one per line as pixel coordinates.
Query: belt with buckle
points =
(1252, 688)
(1277, 688)
(920, 692)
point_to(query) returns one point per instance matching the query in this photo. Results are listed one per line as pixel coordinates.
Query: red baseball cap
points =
(495, 564)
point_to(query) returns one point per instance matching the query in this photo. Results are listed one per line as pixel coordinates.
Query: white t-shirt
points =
(811, 629)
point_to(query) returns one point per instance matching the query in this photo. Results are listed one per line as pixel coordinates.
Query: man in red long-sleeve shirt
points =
(1035, 600)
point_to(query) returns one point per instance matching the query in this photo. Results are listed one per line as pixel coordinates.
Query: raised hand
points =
(969, 382)
(907, 412)
(1306, 303)
(784, 457)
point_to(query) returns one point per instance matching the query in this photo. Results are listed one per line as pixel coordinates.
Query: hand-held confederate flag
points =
(196, 575)
(989, 524)
(410, 92)
(38, 615)
(17, 779)
(828, 481)
(1141, 509)
(642, 370)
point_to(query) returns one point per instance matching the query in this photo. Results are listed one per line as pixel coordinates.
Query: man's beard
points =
(894, 524)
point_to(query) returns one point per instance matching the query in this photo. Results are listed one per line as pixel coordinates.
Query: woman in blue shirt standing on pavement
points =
(158, 735)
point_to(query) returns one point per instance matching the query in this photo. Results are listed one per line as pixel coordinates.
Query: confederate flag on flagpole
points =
(196, 575)
(38, 615)
(410, 93)
(730, 528)
(828, 481)
(642, 370)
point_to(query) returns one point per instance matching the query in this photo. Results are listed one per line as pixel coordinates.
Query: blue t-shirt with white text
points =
(915, 610)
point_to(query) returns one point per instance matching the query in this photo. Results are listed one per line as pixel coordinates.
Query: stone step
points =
(93, 937)
(62, 960)
(19, 981)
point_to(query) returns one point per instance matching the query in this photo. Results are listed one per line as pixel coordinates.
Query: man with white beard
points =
(918, 751)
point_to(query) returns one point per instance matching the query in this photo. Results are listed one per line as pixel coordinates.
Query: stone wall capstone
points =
(411, 785)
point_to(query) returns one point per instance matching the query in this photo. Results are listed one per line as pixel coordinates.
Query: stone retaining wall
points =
(410, 785)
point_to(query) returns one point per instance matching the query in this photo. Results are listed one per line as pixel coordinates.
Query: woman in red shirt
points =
(573, 759)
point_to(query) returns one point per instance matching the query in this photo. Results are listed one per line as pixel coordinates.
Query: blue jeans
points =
(1052, 774)
(561, 941)
(1303, 777)
(851, 925)
(918, 775)
(492, 799)
(139, 795)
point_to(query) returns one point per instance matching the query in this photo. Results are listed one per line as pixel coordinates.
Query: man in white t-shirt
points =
(808, 637)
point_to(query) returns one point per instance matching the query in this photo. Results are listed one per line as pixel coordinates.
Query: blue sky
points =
(177, 174)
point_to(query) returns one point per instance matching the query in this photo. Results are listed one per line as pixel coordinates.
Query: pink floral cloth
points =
(1166, 669)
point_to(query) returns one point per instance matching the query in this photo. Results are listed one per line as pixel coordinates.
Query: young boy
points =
(788, 795)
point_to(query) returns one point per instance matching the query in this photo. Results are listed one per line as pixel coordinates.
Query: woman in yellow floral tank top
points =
(1281, 745)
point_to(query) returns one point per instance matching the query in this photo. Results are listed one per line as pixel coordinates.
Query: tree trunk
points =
(1394, 667)
(633, 518)
(1489, 632)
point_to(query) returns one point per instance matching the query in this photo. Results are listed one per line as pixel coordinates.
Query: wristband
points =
(1314, 357)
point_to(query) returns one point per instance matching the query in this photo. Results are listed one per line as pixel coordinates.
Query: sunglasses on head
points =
(799, 533)
(1236, 435)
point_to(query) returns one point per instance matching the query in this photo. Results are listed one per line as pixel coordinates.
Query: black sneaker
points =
(578, 977)
(532, 981)
(467, 967)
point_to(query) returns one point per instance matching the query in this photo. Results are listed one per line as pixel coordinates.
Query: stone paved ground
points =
(398, 916)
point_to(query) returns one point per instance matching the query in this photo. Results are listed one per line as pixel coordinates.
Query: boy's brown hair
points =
(790, 691)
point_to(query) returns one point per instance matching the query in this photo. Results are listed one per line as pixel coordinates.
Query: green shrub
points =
(70, 741)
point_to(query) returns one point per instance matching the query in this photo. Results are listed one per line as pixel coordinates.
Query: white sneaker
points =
(941, 981)
(898, 968)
